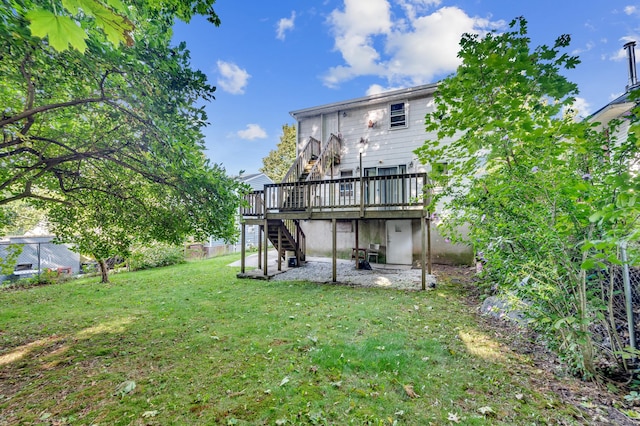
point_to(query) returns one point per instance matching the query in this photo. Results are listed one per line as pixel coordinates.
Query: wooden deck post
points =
(427, 202)
(243, 251)
(266, 247)
(279, 248)
(357, 244)
(423, 255)
(361, 188)
(334, 250)
(429, 243)
(260, 230)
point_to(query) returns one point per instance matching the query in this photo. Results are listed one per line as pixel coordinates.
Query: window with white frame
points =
(346, 188)
(397, 115)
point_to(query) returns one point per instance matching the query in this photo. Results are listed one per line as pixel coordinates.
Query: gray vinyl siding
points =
(383, 147)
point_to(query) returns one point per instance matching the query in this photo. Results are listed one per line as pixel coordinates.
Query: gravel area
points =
(384, 276)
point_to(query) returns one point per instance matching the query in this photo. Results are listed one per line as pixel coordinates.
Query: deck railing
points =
(255, 207)
(293, 226)
(393, 192)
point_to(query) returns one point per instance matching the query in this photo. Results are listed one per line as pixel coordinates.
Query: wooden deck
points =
(279, 208)
(371, 197)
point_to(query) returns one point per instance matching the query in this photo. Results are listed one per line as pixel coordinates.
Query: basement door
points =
(399, 242)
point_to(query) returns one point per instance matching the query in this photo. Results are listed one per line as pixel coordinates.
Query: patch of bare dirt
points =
(597, 402)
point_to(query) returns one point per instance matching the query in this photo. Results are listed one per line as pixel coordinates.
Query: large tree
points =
(527, 178)
(115, 129)
(279, 160)
(69, 23)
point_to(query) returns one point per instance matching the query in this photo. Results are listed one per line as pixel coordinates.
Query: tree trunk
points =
(104, 271)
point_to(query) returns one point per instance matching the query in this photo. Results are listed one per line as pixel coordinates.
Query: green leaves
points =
(64, 31)
(107, 140)
(533, 185)
(70, 23)
(61, 31)
(276, 164)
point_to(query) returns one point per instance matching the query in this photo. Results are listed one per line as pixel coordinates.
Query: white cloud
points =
(581, 107)
(618, 55)
(413, 7)
(630, 10)
(376, 89)
(614, 96)
(354, 30)
(284, 25)
(233, 79)
(406, 46)
(589, 46)
(621, 54)
(253, 131)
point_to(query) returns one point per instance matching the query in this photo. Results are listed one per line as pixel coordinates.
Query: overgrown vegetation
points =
(192, 344)
(547, 197)
(154, 255)
(46, 277)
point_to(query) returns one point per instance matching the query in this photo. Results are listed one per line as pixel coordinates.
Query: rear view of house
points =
(357, 187)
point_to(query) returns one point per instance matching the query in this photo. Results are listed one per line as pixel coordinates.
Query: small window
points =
(397, 115)
(370, 171)
(346, 189)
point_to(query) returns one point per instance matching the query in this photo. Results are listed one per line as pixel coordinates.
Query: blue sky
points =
(271, 57)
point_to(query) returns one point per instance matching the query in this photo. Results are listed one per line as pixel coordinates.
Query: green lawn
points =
(203, 347)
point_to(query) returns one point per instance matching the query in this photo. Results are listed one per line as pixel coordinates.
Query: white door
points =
(399, 242)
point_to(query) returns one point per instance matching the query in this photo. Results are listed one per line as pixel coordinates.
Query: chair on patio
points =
(373, 252)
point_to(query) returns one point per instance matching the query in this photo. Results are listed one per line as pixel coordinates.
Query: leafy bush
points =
(154, 255)
(46, 277)
(546, 197)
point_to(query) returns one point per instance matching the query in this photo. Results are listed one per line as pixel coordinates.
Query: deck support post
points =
(266, 247)
(260, 230)
(279, 248)
(334, 250)
(357, 244)
(423, 254)
(243, 251)
(429, 263)
(361, 188)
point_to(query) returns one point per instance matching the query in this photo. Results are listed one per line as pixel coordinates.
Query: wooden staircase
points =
(325, 163)
(286, 235)
(314, 162)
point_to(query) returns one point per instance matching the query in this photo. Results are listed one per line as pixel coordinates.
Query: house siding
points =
(380, 145)
(319, 242)
(363, 125)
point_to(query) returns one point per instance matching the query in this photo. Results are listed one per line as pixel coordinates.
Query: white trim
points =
(405, 114)
(346, 106)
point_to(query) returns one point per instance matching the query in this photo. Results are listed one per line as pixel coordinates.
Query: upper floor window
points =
(397, 115)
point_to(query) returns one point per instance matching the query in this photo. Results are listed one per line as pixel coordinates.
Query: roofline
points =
(410, 92)
(252, 176)
(620, 100)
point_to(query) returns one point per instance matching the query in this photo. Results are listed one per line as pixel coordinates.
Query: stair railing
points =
(310, 150)
(328, 158)
(294, 229)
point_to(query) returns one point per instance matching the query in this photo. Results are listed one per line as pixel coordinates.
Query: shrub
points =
(154, 255)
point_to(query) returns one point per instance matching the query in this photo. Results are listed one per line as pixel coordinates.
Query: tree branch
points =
(30, 112)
